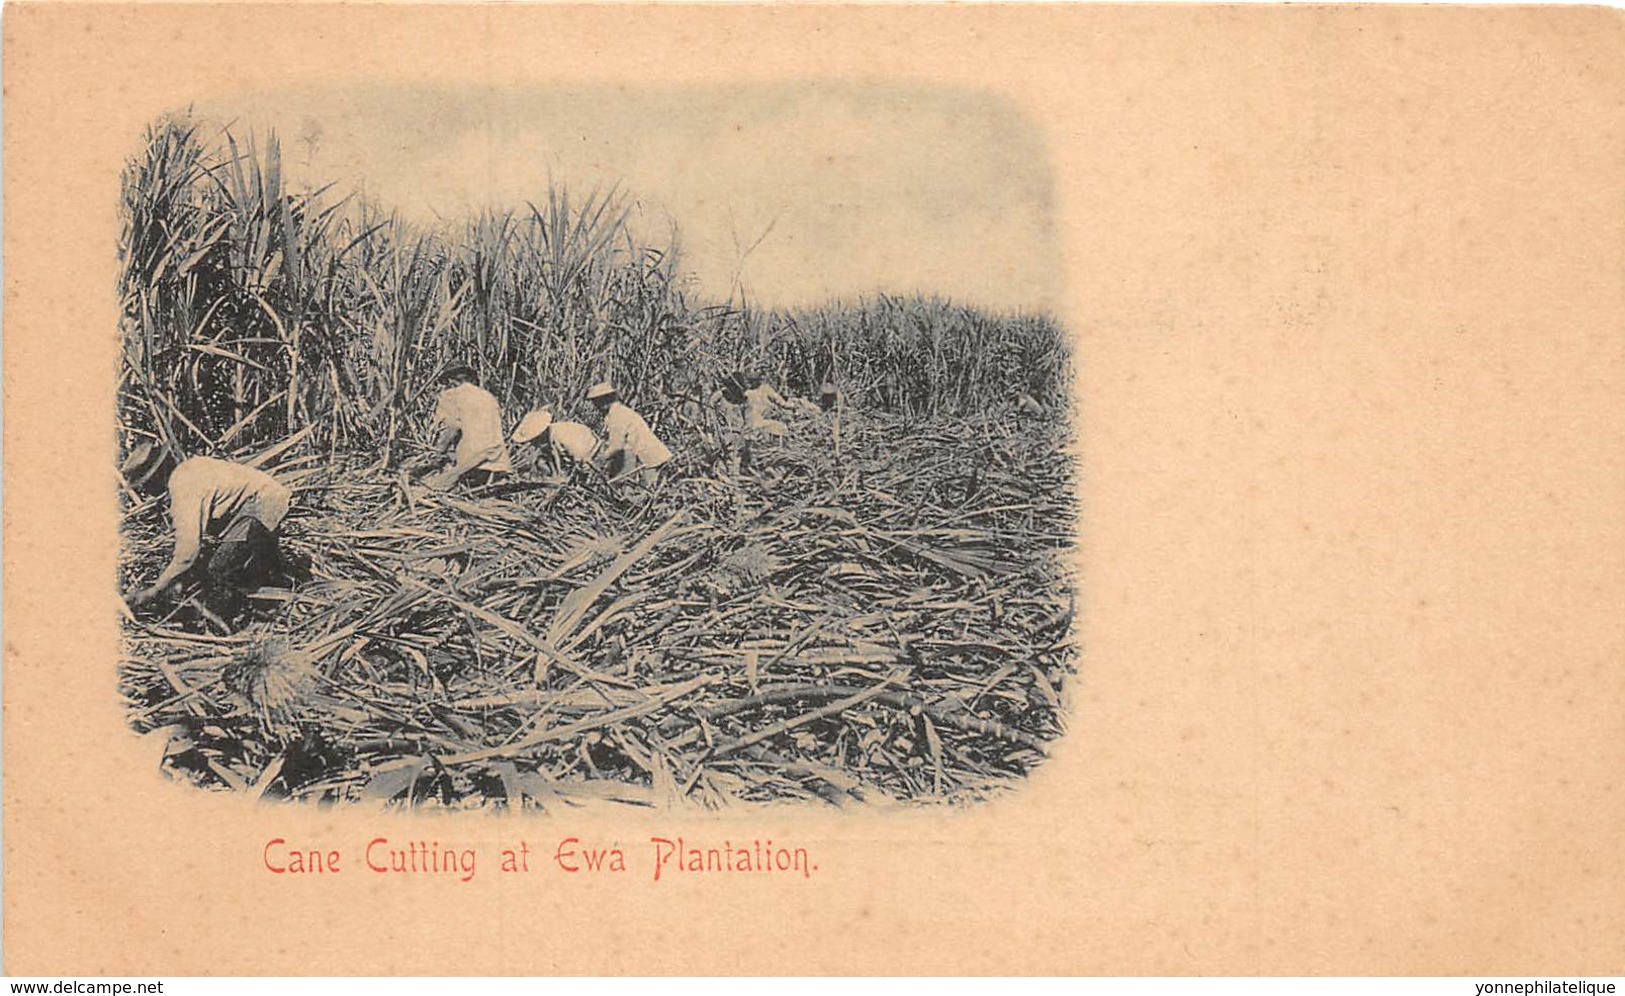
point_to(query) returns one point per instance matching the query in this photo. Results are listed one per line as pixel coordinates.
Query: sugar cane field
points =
(869, 603)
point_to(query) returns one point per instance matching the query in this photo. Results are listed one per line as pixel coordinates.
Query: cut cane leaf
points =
(390, 781)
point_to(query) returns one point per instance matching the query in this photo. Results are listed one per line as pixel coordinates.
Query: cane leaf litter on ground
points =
(874, 609)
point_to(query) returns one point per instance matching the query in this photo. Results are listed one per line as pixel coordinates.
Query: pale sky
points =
(883, 188)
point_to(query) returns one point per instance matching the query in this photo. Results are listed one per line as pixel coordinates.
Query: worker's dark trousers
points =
(480, 478)
(247, 557)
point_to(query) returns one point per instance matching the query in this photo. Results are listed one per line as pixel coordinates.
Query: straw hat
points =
(600, 390)
(532, 425)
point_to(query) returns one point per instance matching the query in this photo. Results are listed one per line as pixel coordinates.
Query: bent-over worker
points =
(562, 444)
(629, 444)
(761, 398)
(236, 510)
(469, 418)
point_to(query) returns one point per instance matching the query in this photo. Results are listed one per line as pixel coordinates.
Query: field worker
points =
(563, 444)
(760, 399)
(236, 510)
(829, 402)
(629, 444)
(470, 419)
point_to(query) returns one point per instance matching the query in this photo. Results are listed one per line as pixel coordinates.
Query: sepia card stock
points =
(1340, 426)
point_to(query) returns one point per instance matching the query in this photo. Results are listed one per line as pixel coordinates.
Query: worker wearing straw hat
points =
(630, 445)
(469, 419)
(563, 443)
(236, 510)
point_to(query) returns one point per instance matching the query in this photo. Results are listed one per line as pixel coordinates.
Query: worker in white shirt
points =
(761, 398)
(470, 419)
(226, 516)
(563, 445)
(630, 446)
(761, 401)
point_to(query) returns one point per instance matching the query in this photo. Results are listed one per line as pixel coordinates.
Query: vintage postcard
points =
(813, 490)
